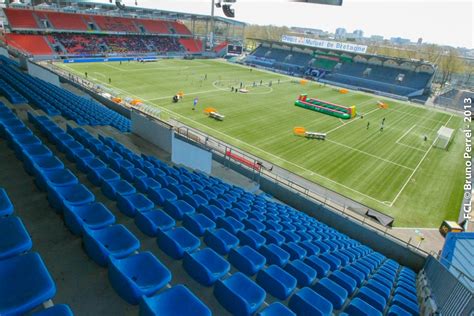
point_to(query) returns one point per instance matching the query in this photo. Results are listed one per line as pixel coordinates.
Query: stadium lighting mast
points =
(228, 11)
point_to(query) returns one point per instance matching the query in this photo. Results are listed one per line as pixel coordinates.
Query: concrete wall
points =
(190, 155)
(358, 231)
(149, 129)
(43, 74)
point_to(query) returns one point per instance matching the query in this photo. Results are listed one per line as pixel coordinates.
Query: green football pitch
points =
(394, 171)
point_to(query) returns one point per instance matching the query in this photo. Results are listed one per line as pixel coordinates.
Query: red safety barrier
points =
(243, 160)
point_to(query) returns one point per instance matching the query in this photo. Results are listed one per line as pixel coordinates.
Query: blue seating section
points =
(381, 78)
(244, 246)
(25, 281)
(55, 100)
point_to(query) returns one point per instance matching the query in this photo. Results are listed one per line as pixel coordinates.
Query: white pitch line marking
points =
(369, 154)
(353, 120)
(406, 133)
(416, 168)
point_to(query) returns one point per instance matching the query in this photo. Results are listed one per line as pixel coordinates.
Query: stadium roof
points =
(347, 53)
(111, 9)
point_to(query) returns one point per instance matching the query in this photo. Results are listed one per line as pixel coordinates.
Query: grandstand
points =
(402, 79)
(220, 248)
(57, 32)
(110, 205)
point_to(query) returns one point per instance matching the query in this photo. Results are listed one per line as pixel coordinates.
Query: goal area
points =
(444, 137)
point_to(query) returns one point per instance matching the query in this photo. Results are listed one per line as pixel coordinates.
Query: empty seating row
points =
(135, 276)
(55, 100)
(25, 280)
(284, 249)
(27, 19)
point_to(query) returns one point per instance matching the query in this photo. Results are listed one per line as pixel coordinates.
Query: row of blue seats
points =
(25, 281)
(55, 100)
(135, 276)
(153, 222)
(254, 225)
(12, 95)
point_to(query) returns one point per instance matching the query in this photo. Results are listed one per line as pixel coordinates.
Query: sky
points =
(448, 22)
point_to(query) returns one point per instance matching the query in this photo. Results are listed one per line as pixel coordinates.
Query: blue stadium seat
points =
(379, 288)
(92, 216)
(150, 222)
(252, 223)
(44, 164)
(6, 206)
(372, 298)
(344, 280)
(251, 238)
(306, 302)
(276, 281)
(311, 249)
(334, 293)
(410, 295)
(321, 267)
(323, 247)
(239, 295)
(276, 309)
(114, 188)
(176, 241)
(295, 251)
(235, 213)
(275, 255)
(94, 164)
(112, 241)
(198, 224)
(195, 200)
(56, 310)
(273, 237)
(333, 262)
(137, 275)
(175, 301)
(271, 224)
(178, 208)
(205, 266)
(344, 259)
(26, 283)
(355, 274)
(398, 311)
(56, 178)
(131, 204)
(289, 235)
(145, 184)
(100, 176)
(304, 274)
(14, 238)
(247, 260)
(230, 224)
(211, 211)
(221, 240)
(358, 307)
(406, 304)
(72, 195)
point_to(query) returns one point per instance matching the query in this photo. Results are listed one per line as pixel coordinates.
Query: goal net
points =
(444, 137)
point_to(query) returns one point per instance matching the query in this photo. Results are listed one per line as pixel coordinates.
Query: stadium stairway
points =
(314, 263)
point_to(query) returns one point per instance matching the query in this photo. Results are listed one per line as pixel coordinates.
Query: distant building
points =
(340, 33)
(376, 38)
(420, 41)
(399, 41)
(307, 30)
(358, 34)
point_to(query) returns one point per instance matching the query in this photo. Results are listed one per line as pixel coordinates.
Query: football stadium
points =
(161, 160)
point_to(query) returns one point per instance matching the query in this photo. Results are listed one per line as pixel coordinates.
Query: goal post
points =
(444, 137)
